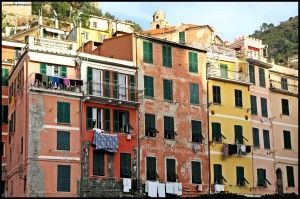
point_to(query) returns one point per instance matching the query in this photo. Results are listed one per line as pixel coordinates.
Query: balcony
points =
(58, 85)
(289, 89)
(221, 50)
(111, 93)
(218, 73)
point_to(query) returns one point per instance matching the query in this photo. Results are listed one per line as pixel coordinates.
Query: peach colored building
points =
(44, 121)
(284, 106)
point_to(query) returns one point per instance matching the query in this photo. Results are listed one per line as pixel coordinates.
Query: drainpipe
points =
(209, 172)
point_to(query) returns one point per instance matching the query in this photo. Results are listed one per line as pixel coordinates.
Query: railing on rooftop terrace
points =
(217, 72)
(291, 87)
(221, 50)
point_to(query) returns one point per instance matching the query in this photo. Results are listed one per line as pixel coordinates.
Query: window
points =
(151, 168)
(238, 131)
(284, 83)
(167, 55)
(253, 105)
(148, 52)
(148, 86)
(125, 165)
(287, 140)
(196, 131)
(97, 118)
(63, 178)
(171, 170)
(217, 94)
(63, 140)
(255, 133)
(5, 77)
(106, 87)
(181, 37)
(53, 70)
(266, 139)
(150, 129)
(63, 112)
(98, 163)
(193, 62)
(262, 81)
(224, 70)
(290, 176)
(218, 177)
(56, 71)
(196, 172)
(240, 179)
(4, 114)
(194, 93)
(261, 177)
(94, 24)
(216, 132)
(85, 36)
(121, 121)
(285, 106)
(169, 127)
(252, 74)
(238, 98)
(168, 89)
(264, 108)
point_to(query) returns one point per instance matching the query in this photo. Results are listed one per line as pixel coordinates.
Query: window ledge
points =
(169, 101)
(62, 123)
(166, 139)
(239, 107)
(149, 97)
(192, 104)
(217, 104)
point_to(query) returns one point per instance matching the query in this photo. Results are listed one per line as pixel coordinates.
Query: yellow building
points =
(230, 137)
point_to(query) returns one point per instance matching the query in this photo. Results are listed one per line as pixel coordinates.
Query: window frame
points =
(168, 89)
(171, 174)
(253, 100)
(216, 94)
(195, 135)
(167, 56)
(127, 167)
(262, 77)
(169, 132)
(148, 92)
(287, 141)
(58, 136)
(194, 176)
(61, 175)
(285, 109)
(194, 94)
(193, 62)
(238, 96)
(266, 136)
(148, 52)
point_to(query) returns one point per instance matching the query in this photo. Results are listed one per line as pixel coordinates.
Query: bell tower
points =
(159, 20)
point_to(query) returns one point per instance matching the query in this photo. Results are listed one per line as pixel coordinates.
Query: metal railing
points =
(109, 90)
(291, 87)
(218, 72)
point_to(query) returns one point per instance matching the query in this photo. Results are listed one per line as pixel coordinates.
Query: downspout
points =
(209, 172)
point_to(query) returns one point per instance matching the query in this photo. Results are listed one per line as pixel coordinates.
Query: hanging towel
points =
(152, 189)
(169, 188)
(161, 190)
(126, 184)
(177, 188)
(66, 82)
(146, 186)
(225, 149)
(105, 141)
(243, 149)
(56, 80)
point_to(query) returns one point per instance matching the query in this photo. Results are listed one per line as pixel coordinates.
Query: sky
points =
(229, 19)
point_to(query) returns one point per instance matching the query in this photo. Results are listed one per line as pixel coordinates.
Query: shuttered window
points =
(252, 74)
(264, 107)
(253, 105)
(238, 131)
(63, 178)
(266, 139)
(168, 89)
(151, 168)
(63, 112)
(261, 177)
(217, 94)
(196, 172)
(216, 131)
(121, 119)
(290, 176)
(287, 139)
(150, 125)
(90, 80)
(181, 37)
(255, 133)
(194, 93)
(132, 92)
(240, 179)
(63, 71)
(63, 140)
(218, 174)
(5, 74)
(238, 98)
(196, 131)
(262, 81)
(43, 68)
(169, 127)
(89, 117)
(106, 116)
(4, 114)
(148, 52)
(285, 106)
(224, 70)
(116, 85)
(125, 165)
(167, 55)
(148, 86)
(171, 170)
(106, 84)
(284, 83)
(193, 62)
(98, 162)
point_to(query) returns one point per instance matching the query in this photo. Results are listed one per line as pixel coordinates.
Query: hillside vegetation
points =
(282, 39)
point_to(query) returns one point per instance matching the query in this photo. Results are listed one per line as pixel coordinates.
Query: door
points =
(279, 181)
(96, 82)
(122, 86)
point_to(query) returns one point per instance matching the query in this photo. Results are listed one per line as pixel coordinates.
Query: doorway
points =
(279, 182)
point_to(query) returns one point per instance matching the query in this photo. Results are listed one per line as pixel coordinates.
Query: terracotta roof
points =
(159, 31)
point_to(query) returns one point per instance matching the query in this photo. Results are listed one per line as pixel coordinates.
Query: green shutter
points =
(116, 85)
(181, 37)
(60, 112)
(43, 68)
(266, 139)
(167, 56)
(193, 62)
(224, 70)
(89, 117)
(150, 125)
(255, 133)
(4, 114)
(167, 84)
(132, 92)
(264, 108)
(63, 71)
(287, 139)
(196, 131)
(238, 131)
(290, 176)
(240, 176)
(67, 112)
(145, 51)
(63, 178)
(116, 121)
(194, 93)
(216, 131)
(148, 86)
(252, 74)
(216, 95)
(106, 119)
(253, 105)
(196, 172)
(151, 168)
(261, 176)
(125, 165)
(106, 86)
(63, 140)
(90, 80)
(5, 74)
(262, 81)
(150, 50)
(171, 170)
(218, 174)
(98, 163)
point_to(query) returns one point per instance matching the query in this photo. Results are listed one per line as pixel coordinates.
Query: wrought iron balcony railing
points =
(221, 73)
(291, 87)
